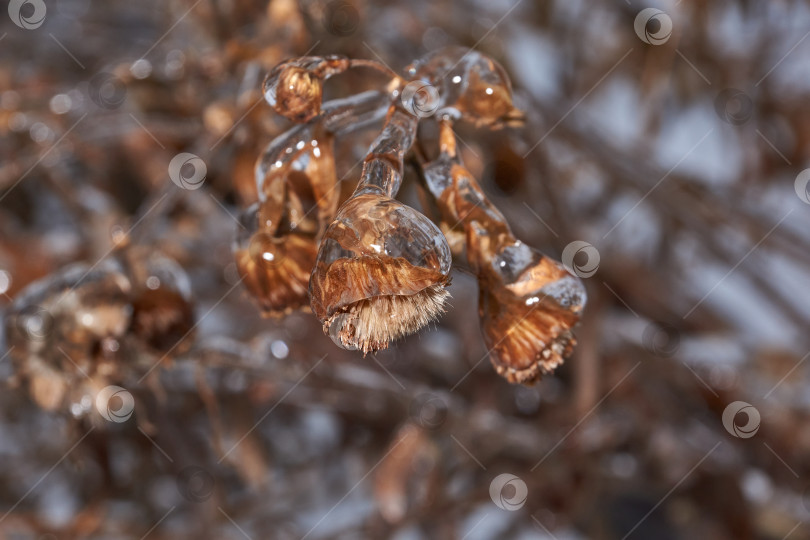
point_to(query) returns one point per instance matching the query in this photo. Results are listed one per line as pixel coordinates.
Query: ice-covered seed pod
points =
(528, 303)
(295, 88)
(470, 85)
(297, 183)
(275, 268)
(380, 274)
(57, 326)
(382, 266)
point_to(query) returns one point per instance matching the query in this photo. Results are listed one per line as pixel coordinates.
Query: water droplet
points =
(60, 104)
(141, 69)
(5, 282)
(279, 349)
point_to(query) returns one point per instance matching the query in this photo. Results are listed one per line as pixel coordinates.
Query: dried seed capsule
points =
(382, 266)
(528, 303)
(470, 84)
(56, 325)
(275, 251)
(275, 269)
(380, 274)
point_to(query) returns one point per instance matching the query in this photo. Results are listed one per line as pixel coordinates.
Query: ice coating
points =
(528, 303)
(382, 266)
(275, 251)
(470, 85)
(76, 326)
(295, 88)
(382, 168)
(339, 117)
(274, 268)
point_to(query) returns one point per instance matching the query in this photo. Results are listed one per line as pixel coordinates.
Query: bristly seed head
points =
(371, 324)
(380, 275)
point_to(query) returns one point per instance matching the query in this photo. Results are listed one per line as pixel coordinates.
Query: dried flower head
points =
(380, 275)
(56, 326)
(528, 304)
(471, 86)
(275, 269)
(276, 250)
(90, 324)
(297, 184)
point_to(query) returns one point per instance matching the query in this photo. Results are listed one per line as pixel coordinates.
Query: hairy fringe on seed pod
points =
(383, 301)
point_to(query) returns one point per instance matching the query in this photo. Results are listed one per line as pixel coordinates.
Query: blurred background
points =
(671, 138)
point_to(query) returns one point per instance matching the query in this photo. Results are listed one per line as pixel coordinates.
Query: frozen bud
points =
(295, 88)
(528, 304)
(275, 268)
(472, 84)
(380, 274)
(276, 251)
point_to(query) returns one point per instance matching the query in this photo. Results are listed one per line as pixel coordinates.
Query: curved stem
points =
(379, 66)
(460, 198)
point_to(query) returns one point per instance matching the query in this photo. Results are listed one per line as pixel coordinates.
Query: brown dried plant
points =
(382, 267)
